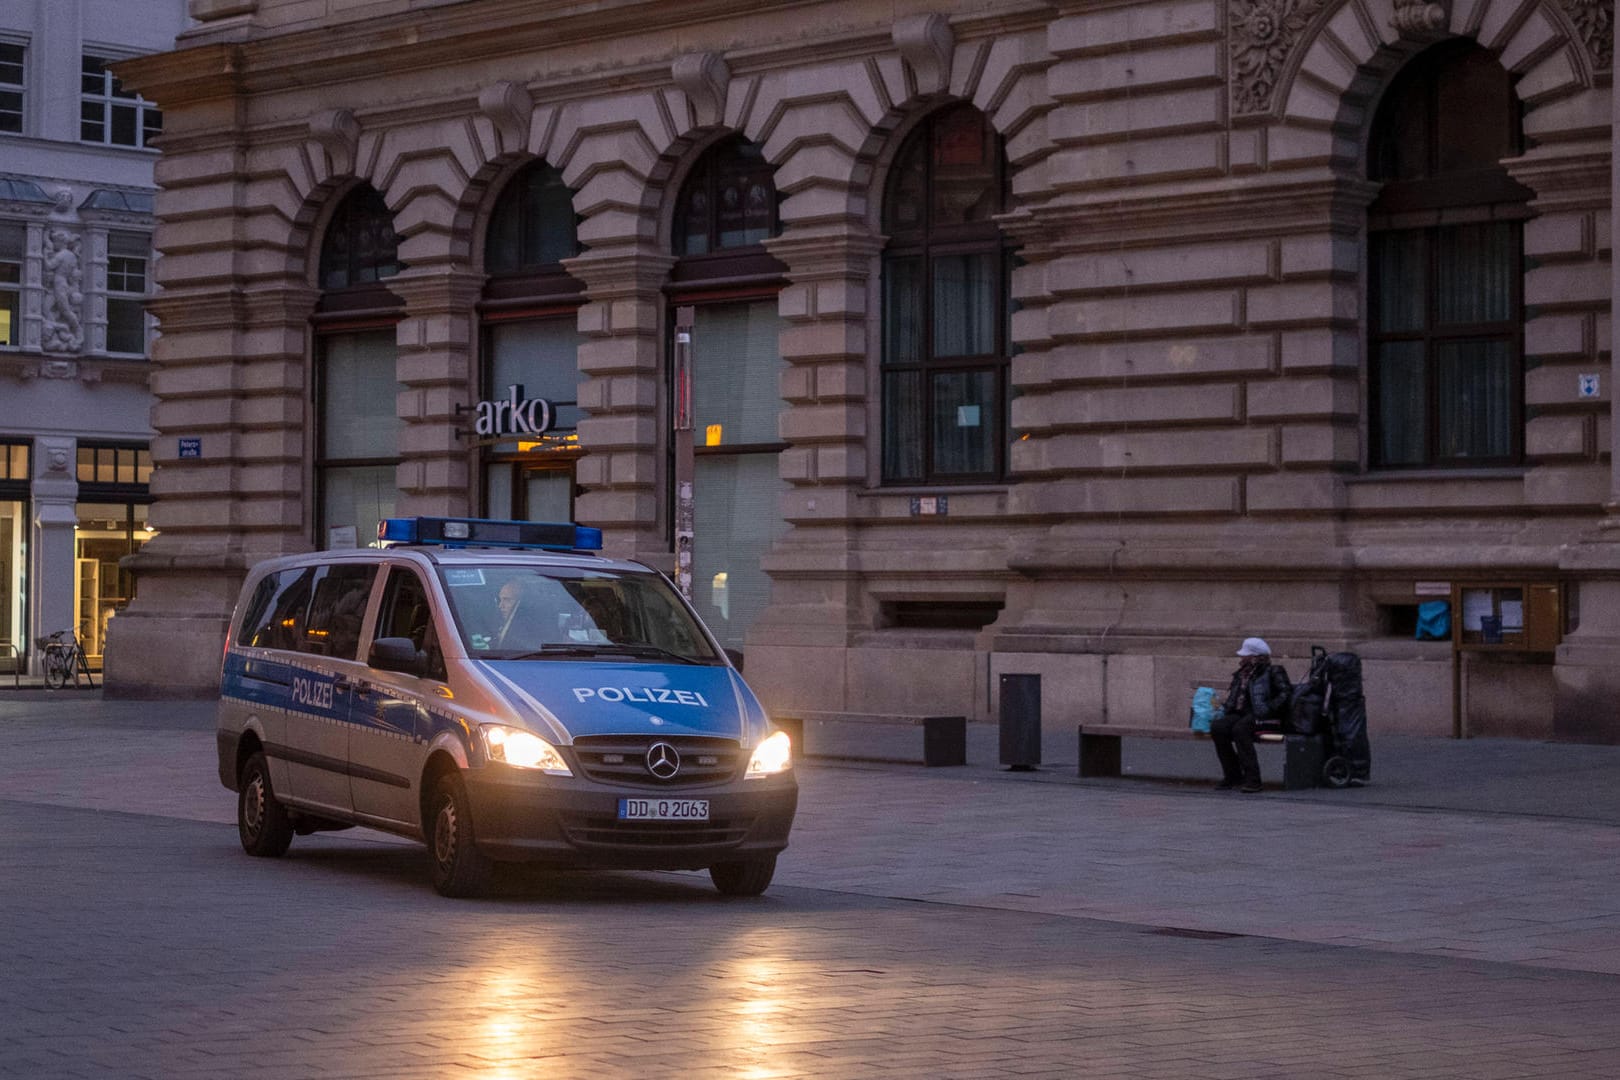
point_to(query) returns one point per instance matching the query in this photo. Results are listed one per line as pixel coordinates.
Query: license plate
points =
(663, 809)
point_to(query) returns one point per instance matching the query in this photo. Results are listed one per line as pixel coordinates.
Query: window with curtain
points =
(1445, 260)
(945, 304)
(357, 392)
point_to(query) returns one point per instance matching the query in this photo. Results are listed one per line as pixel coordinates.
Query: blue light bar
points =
(488, 532)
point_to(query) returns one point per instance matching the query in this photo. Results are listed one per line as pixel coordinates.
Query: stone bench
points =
(944, 738)
(1303, 755)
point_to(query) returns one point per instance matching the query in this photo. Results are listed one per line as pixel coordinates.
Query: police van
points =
(500, 691)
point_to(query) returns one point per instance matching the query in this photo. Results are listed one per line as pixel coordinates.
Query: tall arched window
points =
(945, 302)
(356, 386)
(530, 347)
(1445, 241)
(724, 212)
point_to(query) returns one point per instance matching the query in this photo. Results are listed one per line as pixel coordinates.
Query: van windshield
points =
(570, 613)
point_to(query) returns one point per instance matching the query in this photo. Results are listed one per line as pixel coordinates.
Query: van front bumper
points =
(571, 822)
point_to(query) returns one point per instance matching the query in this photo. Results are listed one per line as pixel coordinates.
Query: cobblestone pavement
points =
(928, 923)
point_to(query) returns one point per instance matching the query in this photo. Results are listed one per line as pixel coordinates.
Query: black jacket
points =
(1269, 693)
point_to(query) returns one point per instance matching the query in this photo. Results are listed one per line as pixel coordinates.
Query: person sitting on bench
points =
(1259, 691)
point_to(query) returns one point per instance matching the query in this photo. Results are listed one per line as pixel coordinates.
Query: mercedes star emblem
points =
(663, 761)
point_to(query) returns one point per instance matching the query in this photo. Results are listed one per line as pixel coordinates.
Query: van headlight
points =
(523, 750)
(772, 756)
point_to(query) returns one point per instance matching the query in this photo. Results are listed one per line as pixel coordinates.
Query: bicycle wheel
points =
(84, 666)
(56, 670)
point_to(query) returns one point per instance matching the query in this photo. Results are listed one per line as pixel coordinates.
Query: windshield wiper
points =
(643, 650)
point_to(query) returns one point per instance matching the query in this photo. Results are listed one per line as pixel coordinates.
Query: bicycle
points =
(64, 659)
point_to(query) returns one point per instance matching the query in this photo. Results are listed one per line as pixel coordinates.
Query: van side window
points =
(335, 613)
(277, 620)
(406, 613)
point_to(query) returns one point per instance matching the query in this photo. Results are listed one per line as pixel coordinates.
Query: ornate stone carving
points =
(1419, 17)
(338, 133)
(926, 44)
(1260, 36)
(64, 293)
(703, 78)
(508, 106)
(1594, 21)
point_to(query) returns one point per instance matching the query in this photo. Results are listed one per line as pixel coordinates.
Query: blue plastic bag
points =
(1434, 620)
(1206, 708)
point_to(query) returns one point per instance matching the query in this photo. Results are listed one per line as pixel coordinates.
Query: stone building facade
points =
(1097, 336)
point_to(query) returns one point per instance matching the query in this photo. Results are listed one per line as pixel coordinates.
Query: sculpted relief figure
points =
(64, 296)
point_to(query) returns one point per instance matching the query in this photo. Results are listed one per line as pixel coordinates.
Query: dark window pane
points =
(1401, 386)
(360, 245)
(151, 123)
(729, 201)
(1400, 280)
(1474, 390)
(1475, 269)
(533, 222)
(903, 311)
(966, 415)
(908, 188)
(902, 425)
(126, 326)
(965, 294)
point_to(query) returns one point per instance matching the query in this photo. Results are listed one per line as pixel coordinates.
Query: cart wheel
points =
(1336, 772)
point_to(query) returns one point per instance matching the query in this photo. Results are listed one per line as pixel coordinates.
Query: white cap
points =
(1253, 646)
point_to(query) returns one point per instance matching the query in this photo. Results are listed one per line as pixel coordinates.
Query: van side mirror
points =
(396, 654)
(736, 658)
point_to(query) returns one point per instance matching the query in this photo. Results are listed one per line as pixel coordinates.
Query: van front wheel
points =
(459, 868)
(745, 877)
(261, 820)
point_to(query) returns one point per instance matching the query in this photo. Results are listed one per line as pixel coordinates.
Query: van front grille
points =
(588, 830)
(622, 760)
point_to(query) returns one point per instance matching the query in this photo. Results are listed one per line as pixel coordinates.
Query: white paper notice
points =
(1513, 615)
(1476, 604)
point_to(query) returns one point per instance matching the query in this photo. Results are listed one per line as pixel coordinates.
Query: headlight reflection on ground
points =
(761, 985)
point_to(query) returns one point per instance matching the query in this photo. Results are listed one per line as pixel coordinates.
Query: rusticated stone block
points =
(1301, 397)
(1558, 235)
(1103, 30)
(1557, 436)
(1148, 268)
(1166, 357)
(1138, 406)
(1164, 157)
(1567, 284)
(1106, 119)
(1311, 301)
(1203, 309)
(1137, 69)
(809, 423)
(1188, 450)
(1291, 491)
(1146, 495)
(1557, 335)
(1321, 444)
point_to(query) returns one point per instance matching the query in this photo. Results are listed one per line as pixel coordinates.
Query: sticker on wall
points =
(967, 416)
(1589, 385)
(191, 448)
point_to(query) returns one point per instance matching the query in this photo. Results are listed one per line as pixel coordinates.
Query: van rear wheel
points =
(261, 820)
(459, 868)
(745, 877)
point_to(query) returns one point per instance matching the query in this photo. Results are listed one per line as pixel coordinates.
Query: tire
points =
(56, 672)
(459, 868)
(1336, 772)
(261, 820)
(746, 877)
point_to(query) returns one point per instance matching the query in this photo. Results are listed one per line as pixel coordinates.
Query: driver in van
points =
(522, 618)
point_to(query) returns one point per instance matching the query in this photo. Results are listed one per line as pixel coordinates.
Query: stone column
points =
(230, 373)
(816, 594)
(1587, 676)
(51, 565)
(436, 365)
(625, 429)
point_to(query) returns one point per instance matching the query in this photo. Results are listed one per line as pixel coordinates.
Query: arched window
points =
(533, 224)
(1445, 239)
(529, 348)
(356, 385)
(729, 201)
(945, 301)
(724, 212)
(360, 247)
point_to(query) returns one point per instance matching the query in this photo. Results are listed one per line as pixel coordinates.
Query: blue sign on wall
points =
(191, 448)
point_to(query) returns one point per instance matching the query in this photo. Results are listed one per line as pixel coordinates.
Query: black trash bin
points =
(1021, 721)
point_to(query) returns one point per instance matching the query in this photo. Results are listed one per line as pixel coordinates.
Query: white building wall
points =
(59, 385)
